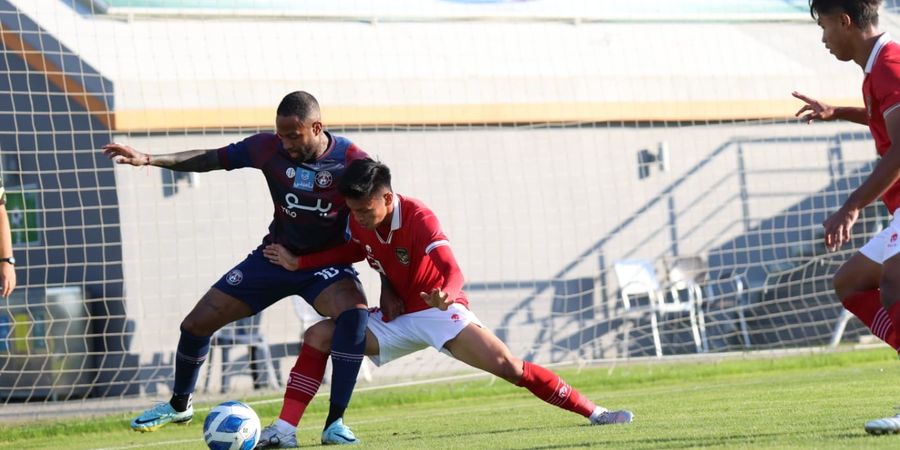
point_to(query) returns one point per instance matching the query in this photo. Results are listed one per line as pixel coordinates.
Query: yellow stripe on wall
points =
(162, 119)
(35, 59)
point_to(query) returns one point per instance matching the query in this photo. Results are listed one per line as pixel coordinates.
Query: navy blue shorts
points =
(260, 283)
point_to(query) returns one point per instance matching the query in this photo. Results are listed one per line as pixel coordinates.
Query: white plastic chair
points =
(638, 278)
(686, 275)
(242, 332)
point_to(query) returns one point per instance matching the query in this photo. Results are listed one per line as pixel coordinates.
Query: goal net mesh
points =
(617, 181)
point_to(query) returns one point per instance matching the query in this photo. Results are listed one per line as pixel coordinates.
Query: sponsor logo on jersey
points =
(305, 179)
(290, 172)
(234, 277)
(292, 202)
(563, 391)
(893, 238)
(324, 179)
(402, 255)
(455, 317)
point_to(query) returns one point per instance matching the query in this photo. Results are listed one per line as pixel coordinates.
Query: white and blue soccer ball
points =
(231, 426)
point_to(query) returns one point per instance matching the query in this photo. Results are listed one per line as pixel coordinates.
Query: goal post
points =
(616, 182)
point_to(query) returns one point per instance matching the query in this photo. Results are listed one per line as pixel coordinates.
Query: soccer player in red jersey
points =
(868, 284)
(302, 164)
(402, 239)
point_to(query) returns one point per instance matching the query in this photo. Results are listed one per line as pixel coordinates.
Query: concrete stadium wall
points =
(521, 207)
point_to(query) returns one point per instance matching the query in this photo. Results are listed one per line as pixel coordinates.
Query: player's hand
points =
(391, 304)
(437, 299)
(838, 227)
(123, 154)
(7, 279)
(813, 109)
(280, 256)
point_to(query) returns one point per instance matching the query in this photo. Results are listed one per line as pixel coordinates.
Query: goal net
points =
(617, 180)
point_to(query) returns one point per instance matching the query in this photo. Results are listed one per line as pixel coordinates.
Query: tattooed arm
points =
(186, 161)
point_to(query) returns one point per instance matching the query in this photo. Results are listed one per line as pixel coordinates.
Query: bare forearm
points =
(187, 161)
(851, 114)
(5, 234)
(885, 174)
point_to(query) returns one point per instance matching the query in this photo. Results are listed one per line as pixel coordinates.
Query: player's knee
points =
(890, 287)
(197, 326)
(844, 284)
(509, 370)
(340, 297)
(352, 300)
(319, 335)
(840, 281)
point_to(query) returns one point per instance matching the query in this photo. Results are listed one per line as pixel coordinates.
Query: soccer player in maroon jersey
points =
(302, 164)
(402, 239)
(868, 284)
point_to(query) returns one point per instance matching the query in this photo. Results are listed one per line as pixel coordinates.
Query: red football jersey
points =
(403, 254)
(881, 91)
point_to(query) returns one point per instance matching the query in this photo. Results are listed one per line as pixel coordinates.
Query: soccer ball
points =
(231, 426)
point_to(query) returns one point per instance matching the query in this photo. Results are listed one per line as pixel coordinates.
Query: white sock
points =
(284, 427)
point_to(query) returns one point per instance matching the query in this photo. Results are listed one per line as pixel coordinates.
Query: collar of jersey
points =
(396, 221)
(879, 44)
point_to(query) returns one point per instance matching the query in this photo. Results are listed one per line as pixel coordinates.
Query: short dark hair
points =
(363, 178)
(863, 13)
(299, 103)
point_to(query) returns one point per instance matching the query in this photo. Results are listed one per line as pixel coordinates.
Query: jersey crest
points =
(402, 255)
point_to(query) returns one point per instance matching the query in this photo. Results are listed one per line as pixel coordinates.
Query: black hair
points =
(862, 13)
(299, 103)
(363, 178)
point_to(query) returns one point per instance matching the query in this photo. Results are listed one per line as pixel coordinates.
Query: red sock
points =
(302, 385)
(894, 314)
(550, 388)
(866, 306)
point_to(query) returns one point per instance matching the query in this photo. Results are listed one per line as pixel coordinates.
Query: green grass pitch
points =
(809, 401)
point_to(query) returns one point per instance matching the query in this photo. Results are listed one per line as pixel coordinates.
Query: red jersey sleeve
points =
(433, 242)
(445, 262)
(886, 83)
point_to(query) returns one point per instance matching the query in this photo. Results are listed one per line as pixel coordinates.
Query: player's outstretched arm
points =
(815, 110)
(885, 175)
(186, 161)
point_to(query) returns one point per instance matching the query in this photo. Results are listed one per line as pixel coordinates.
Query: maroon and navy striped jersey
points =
(310, 214)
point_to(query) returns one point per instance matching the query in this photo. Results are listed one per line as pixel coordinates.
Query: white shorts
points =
(412, 332)
(885, 244)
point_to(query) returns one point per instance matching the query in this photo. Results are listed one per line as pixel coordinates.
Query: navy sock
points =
(347, 348)
(191, 354)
